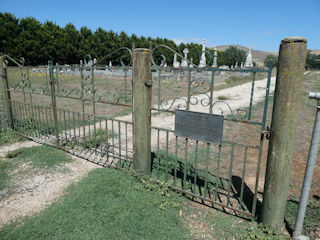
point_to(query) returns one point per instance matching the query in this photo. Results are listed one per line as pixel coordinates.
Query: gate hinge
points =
(266, 132)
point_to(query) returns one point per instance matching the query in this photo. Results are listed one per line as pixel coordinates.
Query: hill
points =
(258, 56)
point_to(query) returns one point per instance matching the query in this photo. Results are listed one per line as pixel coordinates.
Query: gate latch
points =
(266, 132)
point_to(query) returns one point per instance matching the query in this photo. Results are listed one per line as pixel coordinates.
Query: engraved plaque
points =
(199, 126)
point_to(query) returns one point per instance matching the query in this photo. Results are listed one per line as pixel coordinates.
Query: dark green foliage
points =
(274, 61)
(233, 55)
(312, 61)
(38, 43)
(108, 204)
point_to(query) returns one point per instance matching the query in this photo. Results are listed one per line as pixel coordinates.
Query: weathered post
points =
(142, 87)
(5, 93)
(54, 102)
(292, 55)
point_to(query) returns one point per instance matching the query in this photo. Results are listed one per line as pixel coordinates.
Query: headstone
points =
(249, 63)
(110, 64)
(184, 62)
(176, 64)
(203, 55)
(215, 56)
(236, 66)
(191, 64)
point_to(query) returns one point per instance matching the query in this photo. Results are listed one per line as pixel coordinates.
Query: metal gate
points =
(86, 109)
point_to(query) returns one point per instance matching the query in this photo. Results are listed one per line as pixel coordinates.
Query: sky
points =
(260, 24)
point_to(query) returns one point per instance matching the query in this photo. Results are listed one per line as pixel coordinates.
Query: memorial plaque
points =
(199, 126)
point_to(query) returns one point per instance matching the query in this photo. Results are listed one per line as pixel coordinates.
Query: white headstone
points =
(110, 64)
(176, 64)
(203, 55)
(249, 59)
(236, 66)
(184, 62)
(215, 56)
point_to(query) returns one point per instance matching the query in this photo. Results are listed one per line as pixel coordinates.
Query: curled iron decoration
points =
(164, 59)
(121, 58)
(7, 57)
(241, 113)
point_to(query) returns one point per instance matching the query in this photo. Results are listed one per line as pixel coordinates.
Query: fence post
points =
(5, 93)
(142, 90)
(54, 102)
(292, 56)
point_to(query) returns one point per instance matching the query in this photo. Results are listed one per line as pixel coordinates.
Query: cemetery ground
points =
(85, 201)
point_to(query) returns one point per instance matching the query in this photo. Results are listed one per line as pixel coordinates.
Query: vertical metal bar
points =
(185, 165)
(158, 153)
(230, 174)
(112, 132)
(211, 92)
(126, 143)
(159, 89)
(107, 139)
(195, 168)
(74, 130)
(189, 90)
(167, 150)
(218, 174)
(119, 142)
(312, 159)
(243, 175)
(175, 163)
(207, 170)
(65, 126)
(125, 85)
(251, 96)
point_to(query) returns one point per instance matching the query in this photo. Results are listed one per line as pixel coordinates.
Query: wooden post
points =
(54, 102)
(5, 93)
(292, 57)
(142, 89)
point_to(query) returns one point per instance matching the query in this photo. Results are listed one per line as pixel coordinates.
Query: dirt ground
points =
(34, 192)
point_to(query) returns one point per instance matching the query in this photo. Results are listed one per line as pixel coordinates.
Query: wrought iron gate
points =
(86, 109)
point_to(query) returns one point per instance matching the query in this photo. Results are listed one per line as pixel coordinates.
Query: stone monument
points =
(110, 64)
(184, 62)
(249, 63)
(176, 64)
(203, 55)
(215, 55)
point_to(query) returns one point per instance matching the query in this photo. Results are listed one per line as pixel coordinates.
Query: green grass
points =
(312, 217)
(108, 204)
(38, 157)
(9, 137)
(222, 98)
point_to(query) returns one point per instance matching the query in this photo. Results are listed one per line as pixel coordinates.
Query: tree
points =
(233, 55)
(274, 61)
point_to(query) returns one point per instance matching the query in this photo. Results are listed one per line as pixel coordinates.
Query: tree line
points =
(39, 42)
(312, 61)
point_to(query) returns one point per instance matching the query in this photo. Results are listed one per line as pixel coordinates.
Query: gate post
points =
(142, 90)
(292, 56)
(5, 93)
(54, 102)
